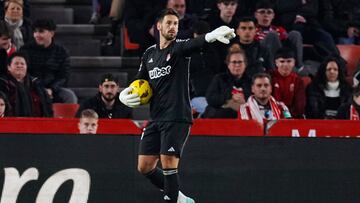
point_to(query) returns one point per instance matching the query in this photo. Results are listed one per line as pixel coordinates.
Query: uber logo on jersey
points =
(159, 72)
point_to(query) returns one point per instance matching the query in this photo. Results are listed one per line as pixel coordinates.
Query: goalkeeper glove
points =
(223, 34)
(130, 100)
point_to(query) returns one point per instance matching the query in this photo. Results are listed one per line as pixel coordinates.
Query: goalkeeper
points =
(164, 65)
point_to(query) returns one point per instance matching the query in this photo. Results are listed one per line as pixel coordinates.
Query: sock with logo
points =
(171, 185)
(156, 177)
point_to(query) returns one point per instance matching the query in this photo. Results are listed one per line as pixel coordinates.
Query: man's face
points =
(5, 42)
(178, 5)
(168, 27)
(227, 9)
(18, 68)
(246, 32)
(285, 65)
(109, 90)
(261, 89)
(88, 125)
(43, 37)
(264, 16)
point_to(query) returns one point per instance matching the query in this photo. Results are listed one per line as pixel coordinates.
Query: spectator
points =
(204, 64)
(261, 106)
(19, 26)
(327, 91)
(5, 107)
(26, 95)
(140, 18)
(6, 47)
(105, 103)
(224, 16)
(276, 36)
(287, 85)
(304, 16)
(259, 57)
(116, 17)
(343, 21)
(229, 90)
(26, 8)
(5, 39)
(186, 21)
(350, 110)
(88, 123)
(50, 62)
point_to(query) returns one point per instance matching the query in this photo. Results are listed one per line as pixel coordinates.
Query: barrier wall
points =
(223, 161)
(102, 168)
(210, 127)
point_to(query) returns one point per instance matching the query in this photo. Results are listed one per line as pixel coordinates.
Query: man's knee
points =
(146, 165)
(295, 36)
(168, 161)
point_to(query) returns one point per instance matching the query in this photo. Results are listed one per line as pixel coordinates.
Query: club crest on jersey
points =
(168, 57)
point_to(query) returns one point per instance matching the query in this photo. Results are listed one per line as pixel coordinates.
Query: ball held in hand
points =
(143, 89)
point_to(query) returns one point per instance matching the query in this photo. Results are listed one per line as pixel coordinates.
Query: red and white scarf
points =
(354, 115)
(251, 110)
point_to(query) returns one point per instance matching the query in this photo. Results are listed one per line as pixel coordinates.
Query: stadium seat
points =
(351, 53)
(126, 44)
(62, 110)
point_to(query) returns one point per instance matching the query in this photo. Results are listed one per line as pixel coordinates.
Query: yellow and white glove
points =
(130, 100)
(223, 34)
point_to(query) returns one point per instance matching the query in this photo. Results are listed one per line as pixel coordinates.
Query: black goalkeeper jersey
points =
(168, 73)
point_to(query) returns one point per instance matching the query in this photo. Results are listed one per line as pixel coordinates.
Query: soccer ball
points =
(142, 87)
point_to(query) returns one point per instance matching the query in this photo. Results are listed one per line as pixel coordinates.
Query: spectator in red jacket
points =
(288, 87)
(276, 36)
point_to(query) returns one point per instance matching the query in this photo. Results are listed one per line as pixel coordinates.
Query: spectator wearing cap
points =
(50, 62)
(287, 85)
(276, 36)
(105, 103)
(17, 23)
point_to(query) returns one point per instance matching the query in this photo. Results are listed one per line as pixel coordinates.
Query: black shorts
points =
(166, 138)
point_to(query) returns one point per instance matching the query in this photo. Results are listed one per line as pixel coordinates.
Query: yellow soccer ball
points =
(143, 89)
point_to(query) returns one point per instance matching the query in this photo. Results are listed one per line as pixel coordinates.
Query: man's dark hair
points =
(167, 11)
(260, 75)
(247, 19)
(201, 27)
(45, 24)
(265, 4)
(17, 54)
(4, 30)
(285, 52)
(108, 77)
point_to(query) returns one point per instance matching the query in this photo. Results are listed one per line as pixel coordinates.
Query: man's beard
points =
(108, 97)
(169, 37)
